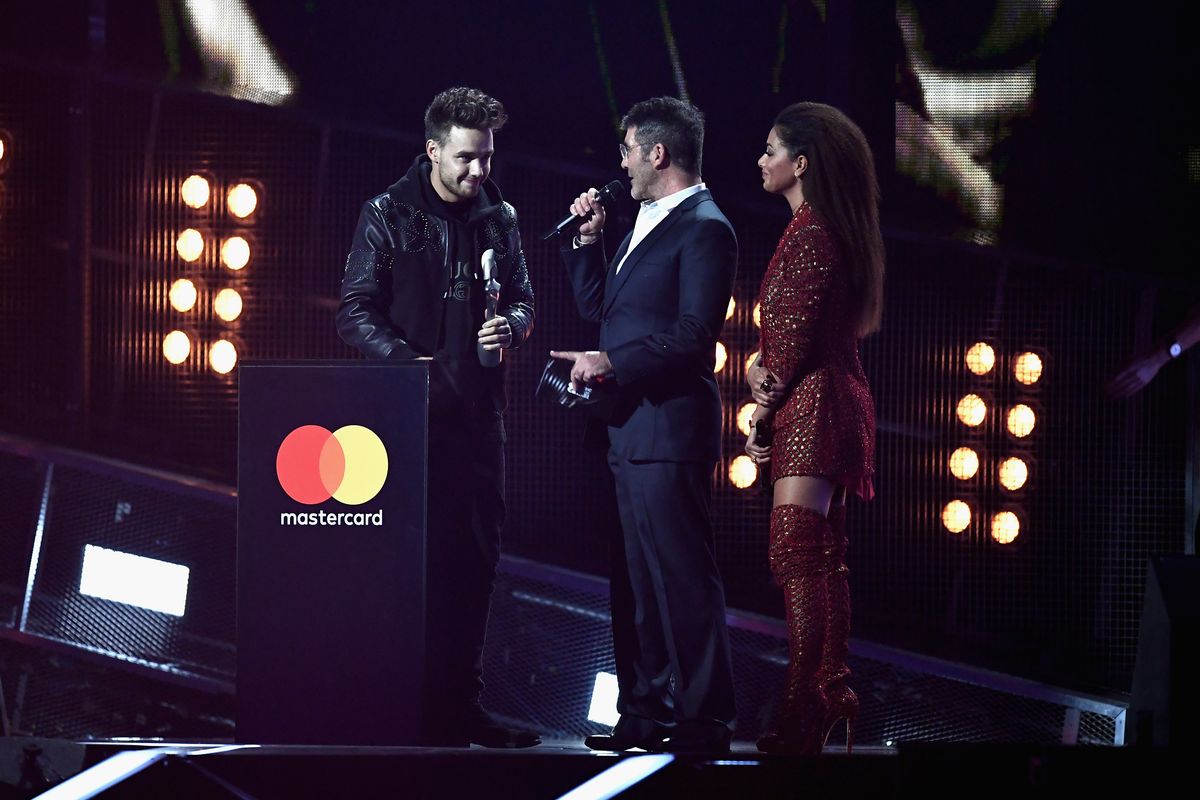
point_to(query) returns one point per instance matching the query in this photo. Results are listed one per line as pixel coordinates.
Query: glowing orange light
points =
(235, 253)
(757, 315)
(182, 295)
(956, 516)
(1028, 368)
(964, 463)
(981, 358)
(1013, 473)
(750, 359)
(190, 244)
(1021, 420)
(222, 356)
(176, 347)
(227, 305)
(743, 472)
(972, 410)
(731, 307)
(1005, 527)
(242, 200)
(195, 191)
(743, 417)
(721, 357)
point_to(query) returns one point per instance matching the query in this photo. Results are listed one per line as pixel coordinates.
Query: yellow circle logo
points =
(350, 464)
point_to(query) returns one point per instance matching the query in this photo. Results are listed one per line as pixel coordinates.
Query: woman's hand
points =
(759, 454)
(765, 387)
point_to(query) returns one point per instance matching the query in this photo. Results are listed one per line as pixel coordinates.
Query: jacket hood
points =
(416, 189)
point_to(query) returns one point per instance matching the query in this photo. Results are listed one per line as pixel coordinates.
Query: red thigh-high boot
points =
(841, 700)
(802, 560)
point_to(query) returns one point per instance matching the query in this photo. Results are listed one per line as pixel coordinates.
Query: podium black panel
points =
(331, 552)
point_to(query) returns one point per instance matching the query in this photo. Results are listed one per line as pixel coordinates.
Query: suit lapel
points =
(617, 280)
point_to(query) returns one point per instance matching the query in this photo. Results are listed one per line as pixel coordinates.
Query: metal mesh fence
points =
(87, 509)
(548, 638)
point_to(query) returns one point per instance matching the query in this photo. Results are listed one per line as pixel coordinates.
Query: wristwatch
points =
(1174, 349)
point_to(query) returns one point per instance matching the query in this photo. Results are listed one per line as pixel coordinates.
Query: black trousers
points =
(466, 513)
(668, 603)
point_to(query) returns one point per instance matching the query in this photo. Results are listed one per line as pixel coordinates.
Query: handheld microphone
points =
(606, 196)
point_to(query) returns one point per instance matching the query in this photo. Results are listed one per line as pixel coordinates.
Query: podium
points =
(332, 462)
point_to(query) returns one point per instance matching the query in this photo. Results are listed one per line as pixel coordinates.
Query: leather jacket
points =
(399, 272)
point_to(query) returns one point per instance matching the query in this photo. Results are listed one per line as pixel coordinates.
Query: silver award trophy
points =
(491, 294)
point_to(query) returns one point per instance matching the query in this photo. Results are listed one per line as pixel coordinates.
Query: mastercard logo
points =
(314, 464)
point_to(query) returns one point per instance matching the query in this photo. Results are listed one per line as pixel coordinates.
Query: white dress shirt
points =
(650, 214)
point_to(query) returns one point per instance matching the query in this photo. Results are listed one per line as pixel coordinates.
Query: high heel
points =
(846, 707)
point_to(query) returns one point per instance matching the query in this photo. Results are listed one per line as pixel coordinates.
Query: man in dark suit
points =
(661, 304)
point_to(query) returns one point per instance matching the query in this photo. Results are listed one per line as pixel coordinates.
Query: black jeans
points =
(466, 512)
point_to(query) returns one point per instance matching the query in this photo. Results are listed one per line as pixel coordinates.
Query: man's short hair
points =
(678, 125)
(464, 107)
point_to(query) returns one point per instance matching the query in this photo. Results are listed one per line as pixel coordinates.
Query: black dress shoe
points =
(484, 729)
(630, 732)
(698, 737)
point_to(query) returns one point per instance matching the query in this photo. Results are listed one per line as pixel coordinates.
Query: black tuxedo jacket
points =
(659, 322)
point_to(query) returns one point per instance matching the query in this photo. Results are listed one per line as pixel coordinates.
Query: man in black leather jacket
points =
(413, 287)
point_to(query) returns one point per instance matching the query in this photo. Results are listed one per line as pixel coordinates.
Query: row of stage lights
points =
(964, 462)
(241, 201)
(1013, 471)
(741, 471)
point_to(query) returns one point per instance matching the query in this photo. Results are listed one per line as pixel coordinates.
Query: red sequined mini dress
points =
(826, 426)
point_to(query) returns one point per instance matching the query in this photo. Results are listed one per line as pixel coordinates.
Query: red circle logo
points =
(314, 464)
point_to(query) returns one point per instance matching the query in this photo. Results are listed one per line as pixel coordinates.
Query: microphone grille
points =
(612, 191)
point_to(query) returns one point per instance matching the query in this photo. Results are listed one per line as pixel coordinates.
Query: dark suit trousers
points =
(668, 603)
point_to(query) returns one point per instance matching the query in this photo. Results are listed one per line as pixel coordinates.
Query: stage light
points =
(3, 148)
(972, 410)
(964, 463)
(189, 245)
(227, 304)
(1028, 368)
(1013, 473)
(235, 253)
(176, 347)
(750, 359)
(743, 472)
(956, 516)
(182, 295)
(721, 357)
(222, 356)
(242, 200)
(4, 151)
(603, 708)
(757, 315)
(981, 358)
(729, 309)
(743, 417)
(1021, 420)
(1005, 527)
(195, 191)
(134, 580)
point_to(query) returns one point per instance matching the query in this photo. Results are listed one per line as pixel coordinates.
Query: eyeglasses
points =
(625, 149)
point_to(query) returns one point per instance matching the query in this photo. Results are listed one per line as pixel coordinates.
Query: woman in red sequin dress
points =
(814, 427)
